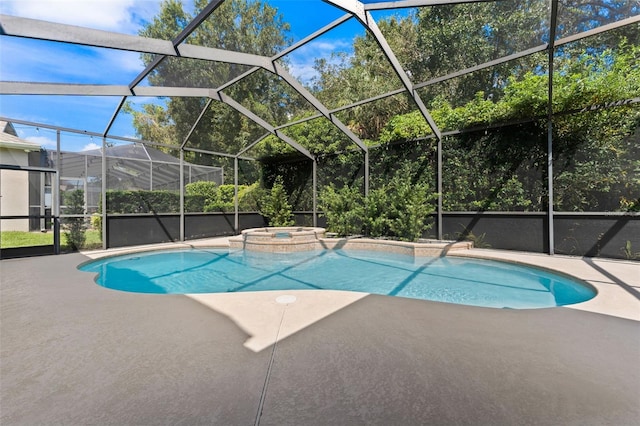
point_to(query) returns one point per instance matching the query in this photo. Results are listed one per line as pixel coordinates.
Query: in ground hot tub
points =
(278, 239)
(294, 239)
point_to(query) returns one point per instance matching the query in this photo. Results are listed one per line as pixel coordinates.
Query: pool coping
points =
(617, 282)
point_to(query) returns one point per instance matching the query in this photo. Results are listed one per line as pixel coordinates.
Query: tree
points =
(253, 27)
(577, 16)
(439, 40)
(429, 43)
(344, 79)
(454, 37)
(596, 151)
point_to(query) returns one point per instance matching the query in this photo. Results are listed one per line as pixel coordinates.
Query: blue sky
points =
(35, 60)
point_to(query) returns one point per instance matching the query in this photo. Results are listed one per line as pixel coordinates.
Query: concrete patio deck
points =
(75, 353)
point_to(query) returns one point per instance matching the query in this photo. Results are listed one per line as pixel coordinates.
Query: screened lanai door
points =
(29, 214)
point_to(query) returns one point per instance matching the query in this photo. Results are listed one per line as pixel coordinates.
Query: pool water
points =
(446, 279)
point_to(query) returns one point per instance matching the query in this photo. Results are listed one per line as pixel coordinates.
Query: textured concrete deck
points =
(75, 353)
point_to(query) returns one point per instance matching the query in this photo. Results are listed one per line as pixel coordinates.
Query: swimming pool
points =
(445, 279)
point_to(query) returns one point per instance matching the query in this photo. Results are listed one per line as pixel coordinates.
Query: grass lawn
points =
(9, 239)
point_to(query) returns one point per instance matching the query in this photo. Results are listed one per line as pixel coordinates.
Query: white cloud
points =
(43, 141)
(324, 46)
(301, 60)
(35, 60)
(138, 102)
(91, 146)
(125, 61)
(112, 15)
(303, 72)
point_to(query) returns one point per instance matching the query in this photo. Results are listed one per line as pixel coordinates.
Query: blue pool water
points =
(446, 279)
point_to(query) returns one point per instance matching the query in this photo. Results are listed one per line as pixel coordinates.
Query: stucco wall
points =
(14, 199)
(14, 157)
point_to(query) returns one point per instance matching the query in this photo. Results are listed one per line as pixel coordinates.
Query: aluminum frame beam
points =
(29, 88)
(114, 116)
(182, 221)
(45, 30)
(288, 50)
(465, 71)
(191, 26)
(354, 7)
(252, 144)
(219, 154)
(357, 9)
(284, 74)
(344, 18)
(403, 4)
(103, 190)
(598, 30)
(517, 55)
(553, 20)
(236, 217)
(195, 124)
(397, 67)
(30, 28)
(262, 123)
(85, 132)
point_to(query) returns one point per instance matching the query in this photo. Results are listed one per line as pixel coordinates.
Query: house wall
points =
(14, 199)
(14, 190)
(14, 157)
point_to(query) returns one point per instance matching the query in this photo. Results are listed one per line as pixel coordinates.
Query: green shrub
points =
(197, 195)
(96, 223)
(161, 201)
(194, 203)
(201, 196)
(397, 209)
(206, 189)
(250, 197)
(408, 208)
(75, 226)
(143, 201)
(375, 222)
(276, 207)
(342, 208)
(224, 200)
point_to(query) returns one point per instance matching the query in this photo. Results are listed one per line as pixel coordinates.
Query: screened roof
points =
(229, 76)
(131, 166)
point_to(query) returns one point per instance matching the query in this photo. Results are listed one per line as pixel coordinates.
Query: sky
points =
(42, 61)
